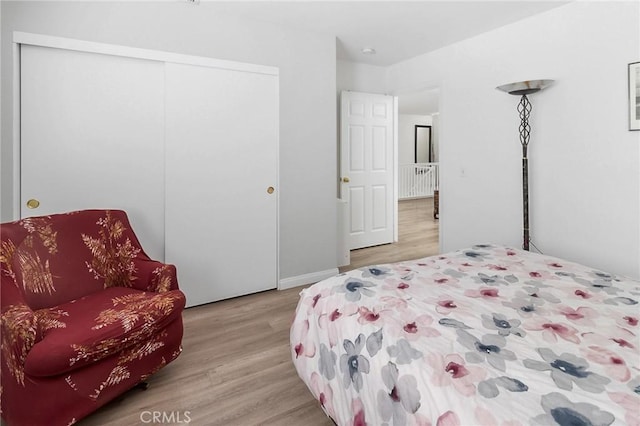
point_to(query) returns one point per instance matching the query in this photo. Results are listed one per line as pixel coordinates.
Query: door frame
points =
(439, 87)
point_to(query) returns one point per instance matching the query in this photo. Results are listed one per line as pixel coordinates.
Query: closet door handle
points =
(33, 203)
(270, 190)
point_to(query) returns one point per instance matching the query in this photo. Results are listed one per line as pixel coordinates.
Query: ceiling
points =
(397, 30)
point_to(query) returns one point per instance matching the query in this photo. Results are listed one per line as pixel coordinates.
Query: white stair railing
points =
(417, 180)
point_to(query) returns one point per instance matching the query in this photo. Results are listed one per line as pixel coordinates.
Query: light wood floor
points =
(417, 237)
(236, 365)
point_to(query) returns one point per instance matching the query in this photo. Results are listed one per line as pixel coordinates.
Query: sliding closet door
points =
(92, 136)
(221, 176)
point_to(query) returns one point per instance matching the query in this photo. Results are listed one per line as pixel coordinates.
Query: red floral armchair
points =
(86, 315)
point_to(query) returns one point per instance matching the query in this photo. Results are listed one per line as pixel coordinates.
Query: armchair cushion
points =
(96, 326)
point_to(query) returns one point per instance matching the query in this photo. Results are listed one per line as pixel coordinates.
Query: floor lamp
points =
(522, 89)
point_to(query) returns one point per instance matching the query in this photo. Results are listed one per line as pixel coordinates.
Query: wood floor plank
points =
(236, 366)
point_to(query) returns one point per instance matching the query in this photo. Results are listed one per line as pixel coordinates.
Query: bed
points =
(488, 335)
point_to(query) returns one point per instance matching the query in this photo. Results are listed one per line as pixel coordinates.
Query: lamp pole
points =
(522, 89)
(524, 108)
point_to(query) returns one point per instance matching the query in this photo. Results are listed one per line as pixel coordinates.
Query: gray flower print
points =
(403, 352)
(502, 325)
(599, 281)
(352, 364)
(567, 369)
(485, 279)
(621, 301)
(475, 255)
(524, 304)
(559, 410)
(634, 385)
(327, 363)
(453, 273)
(536, 291)
(374, 342)
(491, 348)
(449, 322)
(375, 272)
(354, 289)
(401, 397)
(481, 246)
(489, 388)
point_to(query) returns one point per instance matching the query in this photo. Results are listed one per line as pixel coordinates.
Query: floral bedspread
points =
(484, 336)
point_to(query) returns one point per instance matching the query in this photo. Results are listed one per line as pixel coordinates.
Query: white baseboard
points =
(310, 278)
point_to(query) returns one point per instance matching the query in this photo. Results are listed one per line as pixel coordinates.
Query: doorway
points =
(418, 228)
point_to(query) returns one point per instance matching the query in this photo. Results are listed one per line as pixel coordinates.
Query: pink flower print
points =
(486, 293)
(630, 405)
(621, 337)
(445, 304)
(613, 364)
(581, 293)
(623, 343)
(396, 285)
(439, 279)
(327, 323)
(314, 302)
(330, 322)
(330, 319)
(551, 331)
(497, 267)
(628, 321)
(370, 316)
(541, 275)
(484, 417)
(394, 303)
(467, 268)
(300, 336)
(413, 328)
(555, 265)
(448, 419)
(451, 370)
(582, 315)
(358, 409)
(323, 393)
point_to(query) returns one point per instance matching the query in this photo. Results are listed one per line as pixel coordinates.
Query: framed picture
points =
(634, 96)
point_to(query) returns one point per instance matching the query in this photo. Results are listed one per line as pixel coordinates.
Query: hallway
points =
(417, 237)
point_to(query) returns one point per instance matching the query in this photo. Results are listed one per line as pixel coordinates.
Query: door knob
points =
(33, 203)
(270, 190)
(345, 179)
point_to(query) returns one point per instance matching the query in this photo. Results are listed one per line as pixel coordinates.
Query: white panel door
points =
(221, 160)
(367, 167)
(92, 136)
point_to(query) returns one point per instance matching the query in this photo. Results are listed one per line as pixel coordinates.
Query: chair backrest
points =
(58, 258)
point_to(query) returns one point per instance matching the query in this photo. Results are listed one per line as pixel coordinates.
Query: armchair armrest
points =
(155, 276)
(18, 327)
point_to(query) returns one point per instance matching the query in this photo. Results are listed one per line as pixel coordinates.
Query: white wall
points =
(355, 77)
(307, 98)
(360, 77)
(406, 135)
(584, 163)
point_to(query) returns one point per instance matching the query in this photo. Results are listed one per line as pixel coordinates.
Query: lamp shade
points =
(525, 87)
